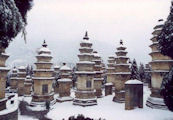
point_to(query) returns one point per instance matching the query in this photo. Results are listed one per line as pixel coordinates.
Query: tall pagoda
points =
(21, 79)
(160, 65)
(122, 72)
(43, 80)
(85, 93)
(64, 84)
(98, 78)
(13, 80)
(111, 70)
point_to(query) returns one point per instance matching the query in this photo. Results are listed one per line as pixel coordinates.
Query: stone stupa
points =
(21, 78)
(85, 93)
(122, 73)
(98, 78)
(43, 78)
(28, 86)
(160, 66)
(13, 80)
(64, 84)
(111, 70)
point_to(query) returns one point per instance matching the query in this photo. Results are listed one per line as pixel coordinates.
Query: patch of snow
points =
(4, 68)
(107, 84)
(65, 67)
(44, 49)
(109, 110)
(64, 80)
(85, 62)
(133, 82)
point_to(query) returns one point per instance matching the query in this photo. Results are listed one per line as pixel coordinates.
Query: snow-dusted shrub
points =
(167, 89)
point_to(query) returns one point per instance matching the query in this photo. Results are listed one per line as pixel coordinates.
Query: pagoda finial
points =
(86, 36)
(44, 43)
(121, 42)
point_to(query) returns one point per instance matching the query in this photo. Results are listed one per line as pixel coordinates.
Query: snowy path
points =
(109, 110)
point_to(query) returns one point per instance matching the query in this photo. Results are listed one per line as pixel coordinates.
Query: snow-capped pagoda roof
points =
(56, 66)
(160, 24)
(95, 53)
(22, 68)
(86, 39)
(121, 46)
(65, 67)
(135, 81)
(44, 48)
(14, 69)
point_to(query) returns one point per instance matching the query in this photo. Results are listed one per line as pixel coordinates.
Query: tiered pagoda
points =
(64, 84)
(43, 80)
(21, 79)
(85, 93)
(13, 80)
(98, 78)
(111, 70)
(160, 65)
(28, 86)
(122, 72)
(3, 70)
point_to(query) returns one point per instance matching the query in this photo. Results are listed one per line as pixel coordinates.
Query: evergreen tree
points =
(142, 72)
(134, 71)
(12, 20)
(165, 38)
(167, 89)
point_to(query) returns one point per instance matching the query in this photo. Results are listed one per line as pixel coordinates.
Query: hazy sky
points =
(63, 24)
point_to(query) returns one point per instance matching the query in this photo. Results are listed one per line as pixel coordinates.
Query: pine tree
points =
(167, 89)
(134, 71)
(165, 38)
(142, 72)
(12, 20)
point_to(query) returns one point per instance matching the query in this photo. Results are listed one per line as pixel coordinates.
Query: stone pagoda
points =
(3, 70)
(13, 80)
(21, 79)
(64, 84)
(28, 86)
(122, 72)
(85, 93)
(56, 75)
(160, 65)
(43, 80)
(98, 78)
(111, 70)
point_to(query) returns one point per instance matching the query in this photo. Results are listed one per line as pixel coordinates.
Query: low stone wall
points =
(10, 116)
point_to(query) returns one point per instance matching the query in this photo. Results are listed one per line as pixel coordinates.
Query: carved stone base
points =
(85, 102)
(119, 97)
(156, 103)
(42, 98)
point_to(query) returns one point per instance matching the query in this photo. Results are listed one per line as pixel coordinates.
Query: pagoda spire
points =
(44, 43)
(121, 42)
(86, 36)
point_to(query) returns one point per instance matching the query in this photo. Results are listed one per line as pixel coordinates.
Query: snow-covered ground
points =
(107, 109)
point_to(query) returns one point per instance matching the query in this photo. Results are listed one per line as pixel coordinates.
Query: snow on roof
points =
(4, 68)
(64, 80)
(96, 55)
(108, 84)
(44, 78)
(46, 70)
(22, 68)
(121, 57)
(56, 66)
(133, 82)
(85, 72)
(44, 49)
(86, 41)
(65, 67)
(85, 62)
(44, 55)
(122, 73)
